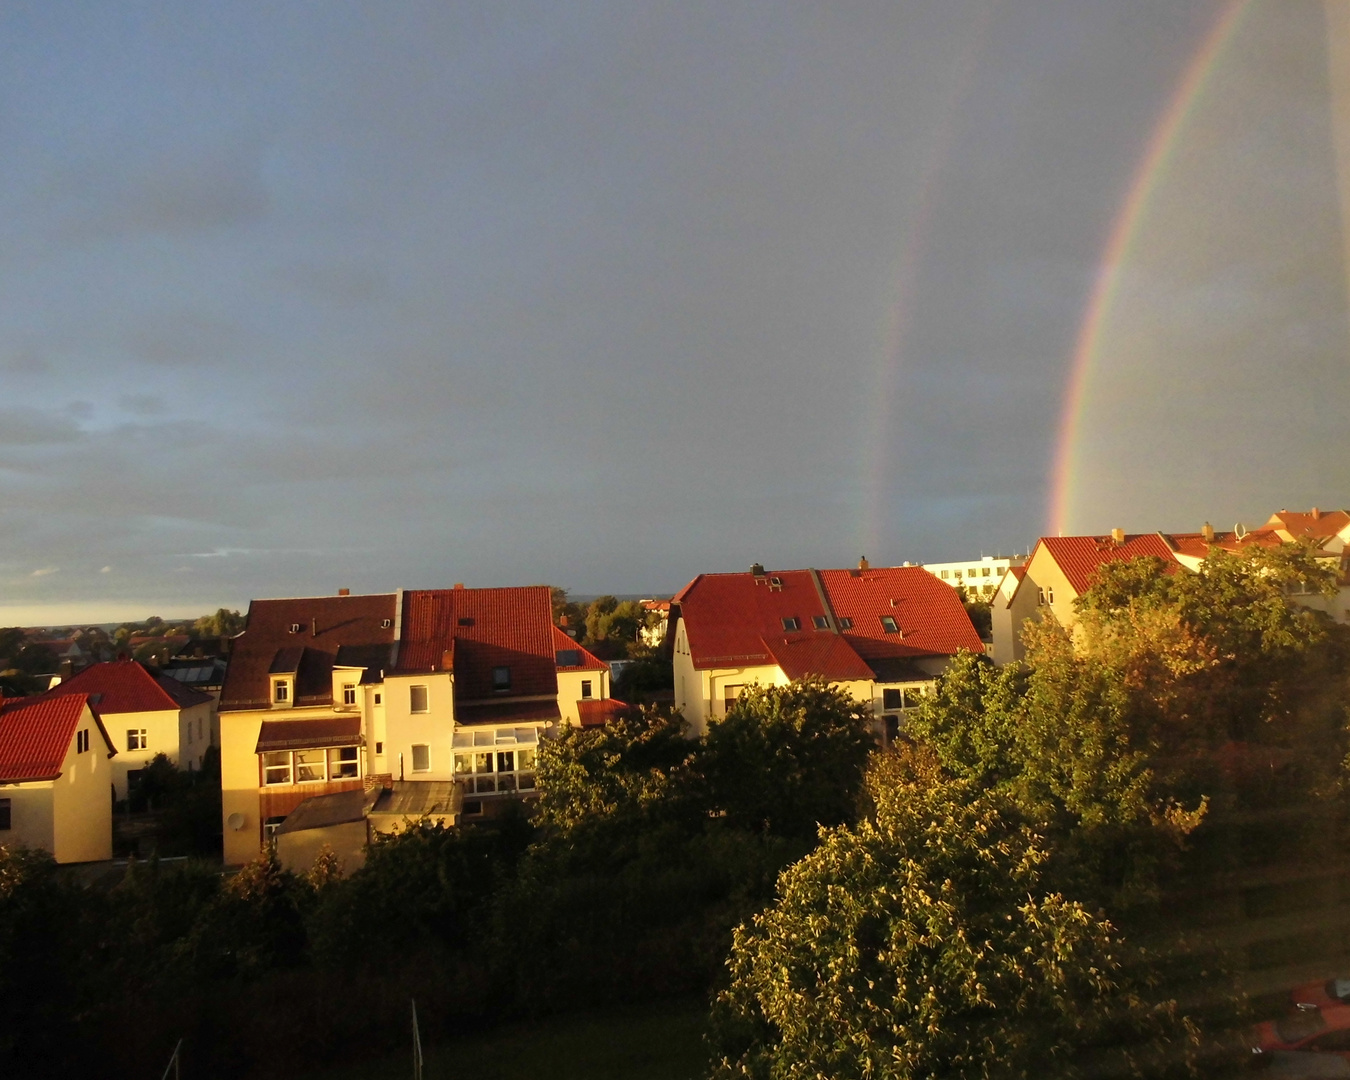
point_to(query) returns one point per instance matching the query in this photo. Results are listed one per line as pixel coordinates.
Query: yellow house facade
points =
(56, 777)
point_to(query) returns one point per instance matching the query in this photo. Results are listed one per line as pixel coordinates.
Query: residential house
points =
(881, 634)
(340, 693)
(582, 676)
(56, 777)
(657, 613)
(146, 713)
(1060, 569)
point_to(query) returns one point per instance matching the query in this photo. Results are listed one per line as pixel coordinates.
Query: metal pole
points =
(173, 1062)
(417, 1044)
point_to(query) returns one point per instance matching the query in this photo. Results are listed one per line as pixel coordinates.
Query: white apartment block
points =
(979, 576)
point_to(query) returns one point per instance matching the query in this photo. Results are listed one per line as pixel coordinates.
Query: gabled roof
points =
(734, 620)
(597, 712)
(325, 625)
(1080, 556)
(126, 686)
(928, 612)
(1313, 525)
(587, 660)
(35, 735)
(475, 630)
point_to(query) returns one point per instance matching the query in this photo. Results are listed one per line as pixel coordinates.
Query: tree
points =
(786, 759)
(922, 943)
(222, 624)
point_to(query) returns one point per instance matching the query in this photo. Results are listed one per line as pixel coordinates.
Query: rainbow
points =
(1152, 167)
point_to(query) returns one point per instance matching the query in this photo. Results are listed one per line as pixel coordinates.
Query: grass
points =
(651, 1042)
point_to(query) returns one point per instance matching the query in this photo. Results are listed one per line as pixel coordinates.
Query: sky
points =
(301, 296)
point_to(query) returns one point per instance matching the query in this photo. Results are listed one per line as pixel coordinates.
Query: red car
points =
(1307, 1028)
(1322, 994)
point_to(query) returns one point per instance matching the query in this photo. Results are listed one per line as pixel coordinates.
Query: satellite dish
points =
(235, 821)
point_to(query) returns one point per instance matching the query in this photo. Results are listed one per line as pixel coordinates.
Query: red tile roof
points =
(476, 630)
(359, 627)
(1080, 556)
(597, 712)
(1325, 524)
(125, 686)
(589, 661)
(929, 613)
(35, 735)
(734, 620)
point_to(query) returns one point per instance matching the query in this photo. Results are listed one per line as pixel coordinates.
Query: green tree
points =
(786, 759)
(222, 624)
(923, 943)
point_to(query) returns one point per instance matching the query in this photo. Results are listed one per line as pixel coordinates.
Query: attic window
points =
(569, 658)
(791, 622)
(845, 623)
(775, 582)
(501, 679)
(466, 621)
(820, 622)
(889, 624)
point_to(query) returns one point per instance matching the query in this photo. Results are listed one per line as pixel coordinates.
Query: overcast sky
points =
(302, 296)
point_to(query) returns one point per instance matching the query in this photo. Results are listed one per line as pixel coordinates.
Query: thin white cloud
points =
(44, 571)
(105, 570)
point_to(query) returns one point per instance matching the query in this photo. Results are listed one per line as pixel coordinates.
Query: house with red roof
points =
(56, 777)
(326, 695)
(146, 713)
(583, 678)
(1062, 568)
(883, 634)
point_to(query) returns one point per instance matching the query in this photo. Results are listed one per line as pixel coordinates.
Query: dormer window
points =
(501, 680)
(889, 624)
(349, 694)
(791, 622)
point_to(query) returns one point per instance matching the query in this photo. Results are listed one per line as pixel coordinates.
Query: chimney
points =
(757, 569)
(563, 621)
(1118, 535)
(344, 592)
(862, 563)
(1207, 531)
(459, 584)
(1316, 513)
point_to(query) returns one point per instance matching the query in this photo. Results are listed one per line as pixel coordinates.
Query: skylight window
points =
(569, 658)
(791, 622)
(845, 623)
(820, 622)
(889, 624)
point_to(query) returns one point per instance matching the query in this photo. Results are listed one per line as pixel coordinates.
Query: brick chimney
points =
(344, 592)
(1316, 513)
(1207, 531)
(1118, 535)
(863, 563)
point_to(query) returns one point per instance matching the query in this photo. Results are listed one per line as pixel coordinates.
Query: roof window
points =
(791, 622)
(845, 623)
(569, 657)
(889, 624)
(466, 621)
(820, 622)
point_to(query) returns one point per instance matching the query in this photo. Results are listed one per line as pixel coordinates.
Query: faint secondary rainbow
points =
(1124, 229)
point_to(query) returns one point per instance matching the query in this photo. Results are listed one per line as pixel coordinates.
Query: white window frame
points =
(426, 748)
(587, 689)
(426, 699)
(349, 693)
(137, 739)
(281, 692)
(329, 763)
